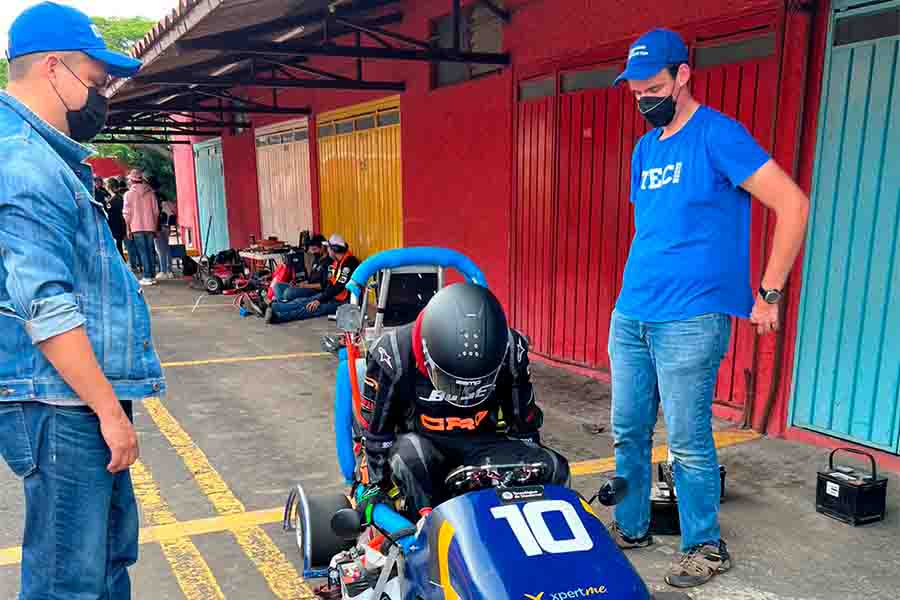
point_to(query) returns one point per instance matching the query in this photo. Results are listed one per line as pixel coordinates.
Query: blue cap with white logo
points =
(51, 27)
(653, 52)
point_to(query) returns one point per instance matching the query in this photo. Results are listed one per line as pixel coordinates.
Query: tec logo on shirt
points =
(653, 179)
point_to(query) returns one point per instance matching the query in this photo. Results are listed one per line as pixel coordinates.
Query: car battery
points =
(850, 496)
(664, 501)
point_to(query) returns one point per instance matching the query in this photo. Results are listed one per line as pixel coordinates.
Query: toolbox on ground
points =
(845, 494)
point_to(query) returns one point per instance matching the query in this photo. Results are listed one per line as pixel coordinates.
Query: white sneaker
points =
(161, 276)
(145, 282)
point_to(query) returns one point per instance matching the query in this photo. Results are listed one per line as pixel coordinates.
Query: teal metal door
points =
(847, 366)
(211, 197)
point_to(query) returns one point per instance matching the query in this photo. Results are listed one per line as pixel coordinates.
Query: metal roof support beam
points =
(457, 26)
(275, 83)
(374, 30)
(501, 13)
(193, 108)
(133, 132)
(226, 96)
(287, 23)
(175, 125)
(284, 67)
(149, 141)
(433, 55)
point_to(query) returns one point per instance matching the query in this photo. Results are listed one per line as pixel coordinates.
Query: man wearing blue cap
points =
(688, 273)
(76, 347)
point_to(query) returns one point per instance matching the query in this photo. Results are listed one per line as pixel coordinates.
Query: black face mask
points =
(86, 122)
(659, 112)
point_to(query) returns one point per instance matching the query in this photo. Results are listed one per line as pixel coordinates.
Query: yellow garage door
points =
(359, 171)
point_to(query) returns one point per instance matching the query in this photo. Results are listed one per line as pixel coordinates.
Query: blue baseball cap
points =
(52, 27)
(653, 52)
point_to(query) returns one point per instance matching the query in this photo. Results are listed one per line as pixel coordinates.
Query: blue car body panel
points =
(484, 559)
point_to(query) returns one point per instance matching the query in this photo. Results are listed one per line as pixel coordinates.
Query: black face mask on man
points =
(86, 122)
(659, 112)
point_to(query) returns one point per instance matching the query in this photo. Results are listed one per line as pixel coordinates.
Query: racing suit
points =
(437, 437)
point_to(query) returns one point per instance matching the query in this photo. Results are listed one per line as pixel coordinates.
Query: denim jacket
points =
(60, 269)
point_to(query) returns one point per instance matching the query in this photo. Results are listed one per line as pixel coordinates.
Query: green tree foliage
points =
(120, 34)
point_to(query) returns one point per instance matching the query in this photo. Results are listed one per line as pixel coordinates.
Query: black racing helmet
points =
(465, 338)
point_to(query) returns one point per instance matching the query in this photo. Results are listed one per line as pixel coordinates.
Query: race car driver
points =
(443, 384)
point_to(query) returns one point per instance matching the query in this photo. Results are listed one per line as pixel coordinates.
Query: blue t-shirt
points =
(691, 250)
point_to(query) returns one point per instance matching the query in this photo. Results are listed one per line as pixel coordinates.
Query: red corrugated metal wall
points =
(745, 91)
(534, 210)
(573, 222)
(241, 189)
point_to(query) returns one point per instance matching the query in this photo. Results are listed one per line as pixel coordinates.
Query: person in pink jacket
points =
(141, 212)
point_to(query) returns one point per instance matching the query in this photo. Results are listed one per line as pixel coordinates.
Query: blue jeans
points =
(296, 309)
(144, 242)
(676, 363)
(81, 521)
(162, 250)
(286, 293)
(134, 259)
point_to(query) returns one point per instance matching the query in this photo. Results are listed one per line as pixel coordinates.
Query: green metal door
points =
(211, 197)
(847, 366)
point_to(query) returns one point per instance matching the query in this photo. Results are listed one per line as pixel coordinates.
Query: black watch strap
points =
(771, 296)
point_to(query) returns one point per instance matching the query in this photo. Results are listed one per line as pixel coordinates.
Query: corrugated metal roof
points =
(165, 24)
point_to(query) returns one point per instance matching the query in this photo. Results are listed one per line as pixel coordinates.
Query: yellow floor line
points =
(242, 359)
(243, 520)
(163, 533)
(192, 572)
(279, 573)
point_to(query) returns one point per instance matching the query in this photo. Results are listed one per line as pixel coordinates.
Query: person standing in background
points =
(114, 214)
(101, 194)
(141, 212)
(167, 213)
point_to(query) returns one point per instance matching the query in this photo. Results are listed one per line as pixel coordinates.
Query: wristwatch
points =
(772, 296)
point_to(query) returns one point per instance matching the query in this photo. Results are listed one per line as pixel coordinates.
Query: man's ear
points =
(683, 77)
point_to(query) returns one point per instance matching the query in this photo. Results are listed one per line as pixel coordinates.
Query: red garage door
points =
(573, 222)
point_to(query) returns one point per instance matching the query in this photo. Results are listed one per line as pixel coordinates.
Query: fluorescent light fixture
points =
(223, 70)
(286, 36)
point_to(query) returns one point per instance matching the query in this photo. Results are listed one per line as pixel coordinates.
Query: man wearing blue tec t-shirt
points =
(688, 273)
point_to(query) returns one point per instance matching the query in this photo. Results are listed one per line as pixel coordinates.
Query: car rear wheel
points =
(312, 526)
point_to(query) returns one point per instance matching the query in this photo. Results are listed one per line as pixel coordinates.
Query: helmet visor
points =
(459, 391)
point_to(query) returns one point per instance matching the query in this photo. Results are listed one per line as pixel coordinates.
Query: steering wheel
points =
(472, 478)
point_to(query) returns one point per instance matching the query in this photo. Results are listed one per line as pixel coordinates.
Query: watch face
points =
(772, 296)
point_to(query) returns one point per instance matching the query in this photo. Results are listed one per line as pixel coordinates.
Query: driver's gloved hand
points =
(378, 449)
(370, 497)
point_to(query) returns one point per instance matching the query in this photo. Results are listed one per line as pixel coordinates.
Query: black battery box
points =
(850, 496)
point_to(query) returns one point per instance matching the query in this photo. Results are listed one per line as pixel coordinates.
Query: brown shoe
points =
(698, 565)
(626, 543)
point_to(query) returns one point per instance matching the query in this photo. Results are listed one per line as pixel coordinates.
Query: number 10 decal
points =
(528, 525)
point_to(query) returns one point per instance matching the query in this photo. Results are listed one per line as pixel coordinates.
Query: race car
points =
(502, 535)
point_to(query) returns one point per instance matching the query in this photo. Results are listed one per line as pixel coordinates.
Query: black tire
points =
(214, 285)
(323, 543)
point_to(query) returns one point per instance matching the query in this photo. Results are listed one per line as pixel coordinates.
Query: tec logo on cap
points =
(52, 27)
(653, 52)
